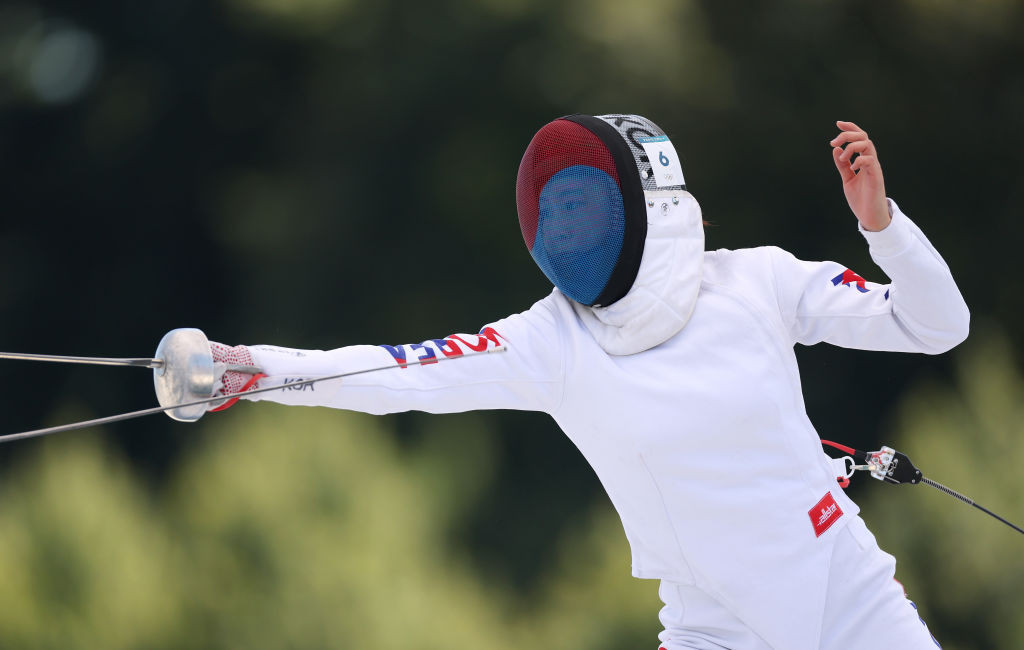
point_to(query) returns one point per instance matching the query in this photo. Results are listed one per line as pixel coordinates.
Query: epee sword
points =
(135, 362)
(183, 375)
(92, 361)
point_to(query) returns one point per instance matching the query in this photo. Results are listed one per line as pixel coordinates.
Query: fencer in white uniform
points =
(673, 371)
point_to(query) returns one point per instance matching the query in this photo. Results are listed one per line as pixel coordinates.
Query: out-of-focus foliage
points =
(963, 568)
(291, 528)
(86, 561)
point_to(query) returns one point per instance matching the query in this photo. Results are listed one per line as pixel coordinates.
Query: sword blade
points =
(10, 437)
(92, 361)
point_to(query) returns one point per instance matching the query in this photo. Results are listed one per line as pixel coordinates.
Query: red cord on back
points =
(842, 448)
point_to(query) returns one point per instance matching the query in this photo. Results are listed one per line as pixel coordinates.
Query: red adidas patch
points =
(824, 513)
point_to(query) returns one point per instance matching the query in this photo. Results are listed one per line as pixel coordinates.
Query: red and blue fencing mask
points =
(580, 198)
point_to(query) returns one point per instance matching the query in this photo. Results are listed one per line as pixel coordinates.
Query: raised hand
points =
(862, 178)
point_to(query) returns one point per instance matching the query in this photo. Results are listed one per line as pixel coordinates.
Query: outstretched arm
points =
(526, 375)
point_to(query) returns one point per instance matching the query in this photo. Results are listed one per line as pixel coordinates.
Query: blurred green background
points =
(317, 173)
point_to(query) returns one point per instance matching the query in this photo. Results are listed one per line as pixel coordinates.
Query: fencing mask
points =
(581, 203)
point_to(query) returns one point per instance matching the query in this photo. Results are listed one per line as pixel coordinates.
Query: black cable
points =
(954, 493)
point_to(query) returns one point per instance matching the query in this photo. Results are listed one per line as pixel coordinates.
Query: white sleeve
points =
(527, 375)
(921, 310)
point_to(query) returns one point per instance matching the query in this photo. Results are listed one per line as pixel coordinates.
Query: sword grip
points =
(249, 370)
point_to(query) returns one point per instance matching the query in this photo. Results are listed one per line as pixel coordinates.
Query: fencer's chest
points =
(727, 376)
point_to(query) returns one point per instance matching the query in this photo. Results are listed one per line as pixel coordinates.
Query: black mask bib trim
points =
(635, 233)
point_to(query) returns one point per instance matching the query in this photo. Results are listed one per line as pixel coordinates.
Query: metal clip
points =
(879, 462)
(892, 466)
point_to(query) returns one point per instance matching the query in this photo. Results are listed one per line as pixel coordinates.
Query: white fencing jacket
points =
(702, 441)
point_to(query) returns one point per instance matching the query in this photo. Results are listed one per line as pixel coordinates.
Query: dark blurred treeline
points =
(316, 173)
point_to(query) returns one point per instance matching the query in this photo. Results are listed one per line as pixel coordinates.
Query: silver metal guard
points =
(186, 374)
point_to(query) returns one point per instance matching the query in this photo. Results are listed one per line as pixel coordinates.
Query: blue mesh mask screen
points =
(579, 231)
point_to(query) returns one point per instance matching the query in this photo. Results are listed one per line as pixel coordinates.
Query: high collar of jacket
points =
(662, 298)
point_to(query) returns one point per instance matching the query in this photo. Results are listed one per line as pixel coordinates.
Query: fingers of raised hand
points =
(860, 146)
(848, 126)
(848, 136)
(864, 161)
(844, 169)
(849, 132)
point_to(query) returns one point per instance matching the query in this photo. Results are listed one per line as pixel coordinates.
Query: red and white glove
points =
(229, 378)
